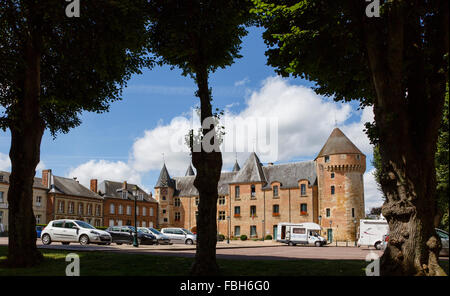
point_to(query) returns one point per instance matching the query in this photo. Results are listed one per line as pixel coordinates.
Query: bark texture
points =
(208, 165)
(27, 128)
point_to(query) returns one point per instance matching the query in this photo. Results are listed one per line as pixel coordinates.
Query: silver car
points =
(73, 231)
(180, 235)
(161, 238)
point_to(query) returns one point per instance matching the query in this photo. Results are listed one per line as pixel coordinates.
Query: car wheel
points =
(84, 240)
(377, 245)
(291, 244)
(65, 243)
(119, 244)
(189, 242)
(317, 244)
(46, 240)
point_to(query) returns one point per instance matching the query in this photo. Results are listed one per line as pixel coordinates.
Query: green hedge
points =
(268, 237)
(243, 237)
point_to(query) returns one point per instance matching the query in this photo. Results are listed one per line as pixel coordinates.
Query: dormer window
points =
(327, 158)
(275, 191)
(253, 191)
(124, 194)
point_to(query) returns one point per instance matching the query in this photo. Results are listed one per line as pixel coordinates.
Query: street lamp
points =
(135, 195)
(264, 230)
(229, 226)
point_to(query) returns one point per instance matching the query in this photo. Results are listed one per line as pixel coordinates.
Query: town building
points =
(68, 199)
(39, 200)
(255, 198)
(119, 204)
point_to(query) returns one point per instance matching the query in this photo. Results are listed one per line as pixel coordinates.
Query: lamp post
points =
(135, 238)
(264, 230)
(331, 222)
(229, 226)
(356, 236)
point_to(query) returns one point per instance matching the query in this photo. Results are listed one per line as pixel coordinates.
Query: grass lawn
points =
(121, 264)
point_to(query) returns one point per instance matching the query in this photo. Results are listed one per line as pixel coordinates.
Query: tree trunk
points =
(27, 128)
(208, 165)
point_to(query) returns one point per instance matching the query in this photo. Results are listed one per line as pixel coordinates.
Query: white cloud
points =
(305, 121)
(5, 162)
(242, 82)
(373, 197)
(105, 170)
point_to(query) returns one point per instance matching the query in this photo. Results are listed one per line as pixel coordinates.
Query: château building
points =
(253, 199)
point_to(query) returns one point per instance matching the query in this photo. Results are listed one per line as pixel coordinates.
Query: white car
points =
(180, 235)
(74, 231)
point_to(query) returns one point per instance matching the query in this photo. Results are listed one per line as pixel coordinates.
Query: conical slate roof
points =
(251, 171)
(236, 167)
(164, 179)
(338, 143)
(190, 171)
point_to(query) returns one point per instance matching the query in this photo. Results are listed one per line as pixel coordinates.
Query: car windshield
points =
(187, 231)
(143, 230)
(84, 225)
(154, 231)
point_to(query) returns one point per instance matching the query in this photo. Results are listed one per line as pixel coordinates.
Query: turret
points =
(340, 168)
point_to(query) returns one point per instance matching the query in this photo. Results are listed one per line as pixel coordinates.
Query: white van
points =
(300, 233)
(371, 232)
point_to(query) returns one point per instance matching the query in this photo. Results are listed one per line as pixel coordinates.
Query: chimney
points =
(124, 185)
(46, 175)
(94, 185)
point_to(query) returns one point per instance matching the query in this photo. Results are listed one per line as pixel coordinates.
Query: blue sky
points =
(154, 98)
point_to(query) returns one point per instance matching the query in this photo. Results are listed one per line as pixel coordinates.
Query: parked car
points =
(162, 239)
(180, 235)
(72, 231)
(38, 231)
(442, 234)
(125, 235)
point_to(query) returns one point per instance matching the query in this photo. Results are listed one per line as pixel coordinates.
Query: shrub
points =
(268, 237)
(101, 227)
(220, 237)
(243, 237)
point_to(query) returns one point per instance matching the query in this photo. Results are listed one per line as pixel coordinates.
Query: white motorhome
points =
(300, 233)
(371, 232)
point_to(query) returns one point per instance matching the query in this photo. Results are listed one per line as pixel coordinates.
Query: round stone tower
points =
(340, 169)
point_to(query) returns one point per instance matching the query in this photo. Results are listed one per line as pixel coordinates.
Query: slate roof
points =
(185, 185)
(70, 187)
(190, 171)
(338, 143)
(112, 189)
(251, 171)
(236, 167)
(36, 184)
(290, 173)
(164, 179)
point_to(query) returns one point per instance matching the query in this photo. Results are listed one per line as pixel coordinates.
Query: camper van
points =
(303, 233)
(371, 232)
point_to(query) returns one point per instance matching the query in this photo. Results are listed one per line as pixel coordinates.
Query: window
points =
(353, 212)
(80, 209)
(328, 213)
(1, 217)
(120, 210)
(327, 158)
(197, 201)
(144, 211)
(275, 191)
(151, 212)
(164, 211)
(111, 222)
(38, 201)
(332, 175)
(237, 211)
(253, 191)
(137, 211)
(332, 189)
(221, 215)
(71, 209)
(276, 210)
(124, 194)
(97, 222)
(253, 211)
(111, 208)
(221, 200)
(163, 198)
(2, 199)
(89, 209)
(144, 224)
(177, 216)
(165, 220)
(98, 210)
(58, 224)
(343, 156)
(38, 219)
(303, 189)
(61, 207)
(303, 209)
(237, 230)
(299, 230)
(237, 192)
(177, 202)
(357, 156)
(128, 210)
(253, 230)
